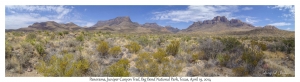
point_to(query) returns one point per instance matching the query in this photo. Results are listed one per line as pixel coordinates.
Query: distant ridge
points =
(217, 25)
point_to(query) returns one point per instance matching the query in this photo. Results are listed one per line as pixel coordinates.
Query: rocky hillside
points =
(51, 25)
(219, 24)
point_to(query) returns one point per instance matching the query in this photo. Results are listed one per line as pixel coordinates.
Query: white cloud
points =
(247, 8)
(196, 13)
(251, 21)
(280, 24)
(290, 8)
(23, 15)
(88, 24)
(288, 28)
(267, 19)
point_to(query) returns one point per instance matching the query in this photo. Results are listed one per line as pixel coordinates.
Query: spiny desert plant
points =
(133, 47)
(118, 69)
(114, 51)
(172, 49)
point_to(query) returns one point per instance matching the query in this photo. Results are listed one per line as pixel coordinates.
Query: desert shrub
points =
(160, 41)
(211, 48)
(52, 36)
(160, 56)
(240, 71)
(60, 33)
(65, 32)
(31, 38)
(251, 58)
(230, 43)
(114, 51)
(118, 69)
(65, 66)
(290, 44)
(40, 49)
(172, 48)
(195, 56)
(170, 68)
(13, 63)
(223, 59)
(8, 50)
(133, 47)
(80, 38)
(259, 44)
(17, 33)
(144, 41)
(186, 38)
(145, 65)
(103, 48)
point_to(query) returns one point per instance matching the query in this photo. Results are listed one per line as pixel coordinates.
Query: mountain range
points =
(218, 25)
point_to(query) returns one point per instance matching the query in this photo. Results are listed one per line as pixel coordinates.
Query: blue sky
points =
(281, 16)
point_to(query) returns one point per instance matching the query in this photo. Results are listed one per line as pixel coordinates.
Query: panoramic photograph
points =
(149, 41)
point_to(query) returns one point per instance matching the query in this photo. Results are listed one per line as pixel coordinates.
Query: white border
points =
(145, 2)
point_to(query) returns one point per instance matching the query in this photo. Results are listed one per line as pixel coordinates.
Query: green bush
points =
(133, 47)
(261, 45)
(251, 59)
(114, 51)
(144, 41)
(40, 48)
(172, 49)
(160, 56)
(290, 44)
(223, 59)
(195, 56)
(80, 38)
(118, 69)
(146, 65)
(66, 66)
(60, 33)
(103, 48)
(230, 43)
(8, 50)
(65, 32)
(31, 38)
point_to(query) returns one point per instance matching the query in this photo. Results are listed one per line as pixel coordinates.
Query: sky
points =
(179, 16)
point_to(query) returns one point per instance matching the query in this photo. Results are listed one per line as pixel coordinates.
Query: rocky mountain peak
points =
(270, 27)
(115, 21)
(220, 19)
(235, 21)
(147, 25)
